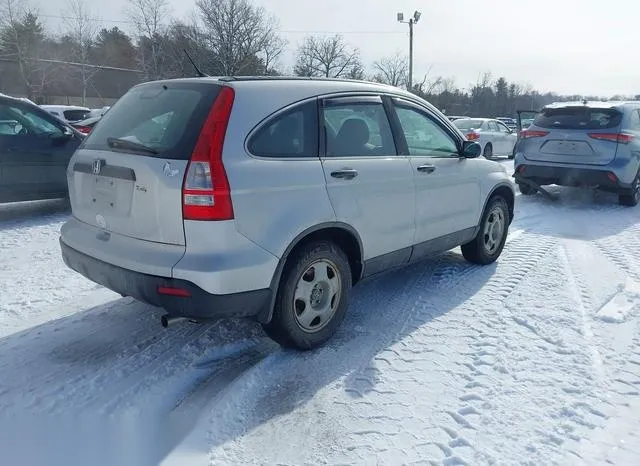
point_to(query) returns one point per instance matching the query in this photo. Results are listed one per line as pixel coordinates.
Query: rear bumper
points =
(199, 305)
(569, 176)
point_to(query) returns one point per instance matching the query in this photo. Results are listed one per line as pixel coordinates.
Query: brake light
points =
(206, 194)
(528, 133)
(472, 136)
(84, 129)
(620, 138)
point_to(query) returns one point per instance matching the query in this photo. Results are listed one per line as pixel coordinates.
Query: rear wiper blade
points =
(117, 143)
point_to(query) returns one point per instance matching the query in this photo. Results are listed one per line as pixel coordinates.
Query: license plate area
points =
(110, 196)
(567, 148)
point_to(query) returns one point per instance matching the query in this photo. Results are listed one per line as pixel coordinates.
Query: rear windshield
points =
(76, 115)
(578, 118)
(165, 117)
(468, 124)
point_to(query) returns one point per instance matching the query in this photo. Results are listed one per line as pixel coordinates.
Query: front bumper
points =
(199, 305)
(569, 176)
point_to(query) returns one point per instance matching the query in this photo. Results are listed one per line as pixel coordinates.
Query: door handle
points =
(427, 168)
(345, 174)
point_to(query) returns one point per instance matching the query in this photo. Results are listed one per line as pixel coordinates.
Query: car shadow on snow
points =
(32, 213)
(574, 213)
(116, 357)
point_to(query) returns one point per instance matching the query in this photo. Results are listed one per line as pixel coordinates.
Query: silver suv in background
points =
(269, 198)
(582, 143)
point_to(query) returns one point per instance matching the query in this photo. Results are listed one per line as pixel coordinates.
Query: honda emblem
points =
(97, 166)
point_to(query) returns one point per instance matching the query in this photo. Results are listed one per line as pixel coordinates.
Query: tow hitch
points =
(520, 180)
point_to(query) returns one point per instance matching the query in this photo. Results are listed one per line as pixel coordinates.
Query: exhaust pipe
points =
(167, 320)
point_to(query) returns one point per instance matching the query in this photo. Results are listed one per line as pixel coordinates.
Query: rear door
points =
(370, 186)
(448, 190)
(127, 177)
(574, 134)
(35, 150)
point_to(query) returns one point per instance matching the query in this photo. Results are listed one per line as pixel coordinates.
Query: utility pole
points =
(411, 22)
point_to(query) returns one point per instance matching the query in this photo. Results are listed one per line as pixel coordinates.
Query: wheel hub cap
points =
(317, 295)
(494, 230)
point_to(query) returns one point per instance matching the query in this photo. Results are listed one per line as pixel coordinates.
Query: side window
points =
(493, 126)
(357, 129)
(503, 128)
(19, 121)
(424, 136)
(291, 134)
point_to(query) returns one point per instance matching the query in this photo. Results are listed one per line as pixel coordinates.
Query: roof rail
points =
(291, 78)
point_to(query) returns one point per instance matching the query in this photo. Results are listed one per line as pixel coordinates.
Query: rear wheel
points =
(632, 197)
(487, 246)
(312, 297)
(488, 151)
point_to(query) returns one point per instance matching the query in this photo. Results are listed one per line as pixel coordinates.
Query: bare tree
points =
(242, 37)
(150, 18)
(393, 70)
(82, 29)
(330, 57)
(21, 37)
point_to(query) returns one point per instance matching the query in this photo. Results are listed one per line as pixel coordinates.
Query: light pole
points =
(411, 22)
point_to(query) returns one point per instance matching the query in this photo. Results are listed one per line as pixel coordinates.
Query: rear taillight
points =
(472, 136)
(620, 138)
(206, 194)
(84, 129)
(527, 134)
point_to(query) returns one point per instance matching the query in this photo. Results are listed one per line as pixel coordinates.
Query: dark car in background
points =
(35, 149)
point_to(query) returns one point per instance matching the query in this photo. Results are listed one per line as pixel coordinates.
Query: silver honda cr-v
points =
(582, 143)
(269, 198)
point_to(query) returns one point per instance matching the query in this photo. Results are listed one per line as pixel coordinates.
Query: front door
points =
(448, 189)
(369, 184)
(34, 153)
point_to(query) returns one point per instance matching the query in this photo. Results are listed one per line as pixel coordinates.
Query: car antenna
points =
(198, 72)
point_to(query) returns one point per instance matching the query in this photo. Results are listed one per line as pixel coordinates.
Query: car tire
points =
(312, 297)
(487, 246)
(487, 153)
(526, 190)
(631, 198)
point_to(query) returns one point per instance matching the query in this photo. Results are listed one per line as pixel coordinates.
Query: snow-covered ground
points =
(534, 360)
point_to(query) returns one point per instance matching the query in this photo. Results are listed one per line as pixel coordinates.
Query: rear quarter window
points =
(292, 134)
(578, 118)
(166, 117)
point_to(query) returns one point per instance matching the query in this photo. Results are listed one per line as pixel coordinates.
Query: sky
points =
(585, 47)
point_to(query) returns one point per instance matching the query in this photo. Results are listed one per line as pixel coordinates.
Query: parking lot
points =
(534, 358)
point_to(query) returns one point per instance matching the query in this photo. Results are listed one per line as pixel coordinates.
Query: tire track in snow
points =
(438, 290)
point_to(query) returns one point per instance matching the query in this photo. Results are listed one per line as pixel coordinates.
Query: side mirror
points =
(470, 150)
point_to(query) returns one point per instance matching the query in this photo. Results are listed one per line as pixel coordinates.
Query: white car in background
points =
(494, 136)
(68, 113)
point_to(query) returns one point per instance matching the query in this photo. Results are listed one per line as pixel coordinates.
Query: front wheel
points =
(312, 298)
(487, 246)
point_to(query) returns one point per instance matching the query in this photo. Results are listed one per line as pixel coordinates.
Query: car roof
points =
(312, 83)
(593, 103)
(65, 107)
